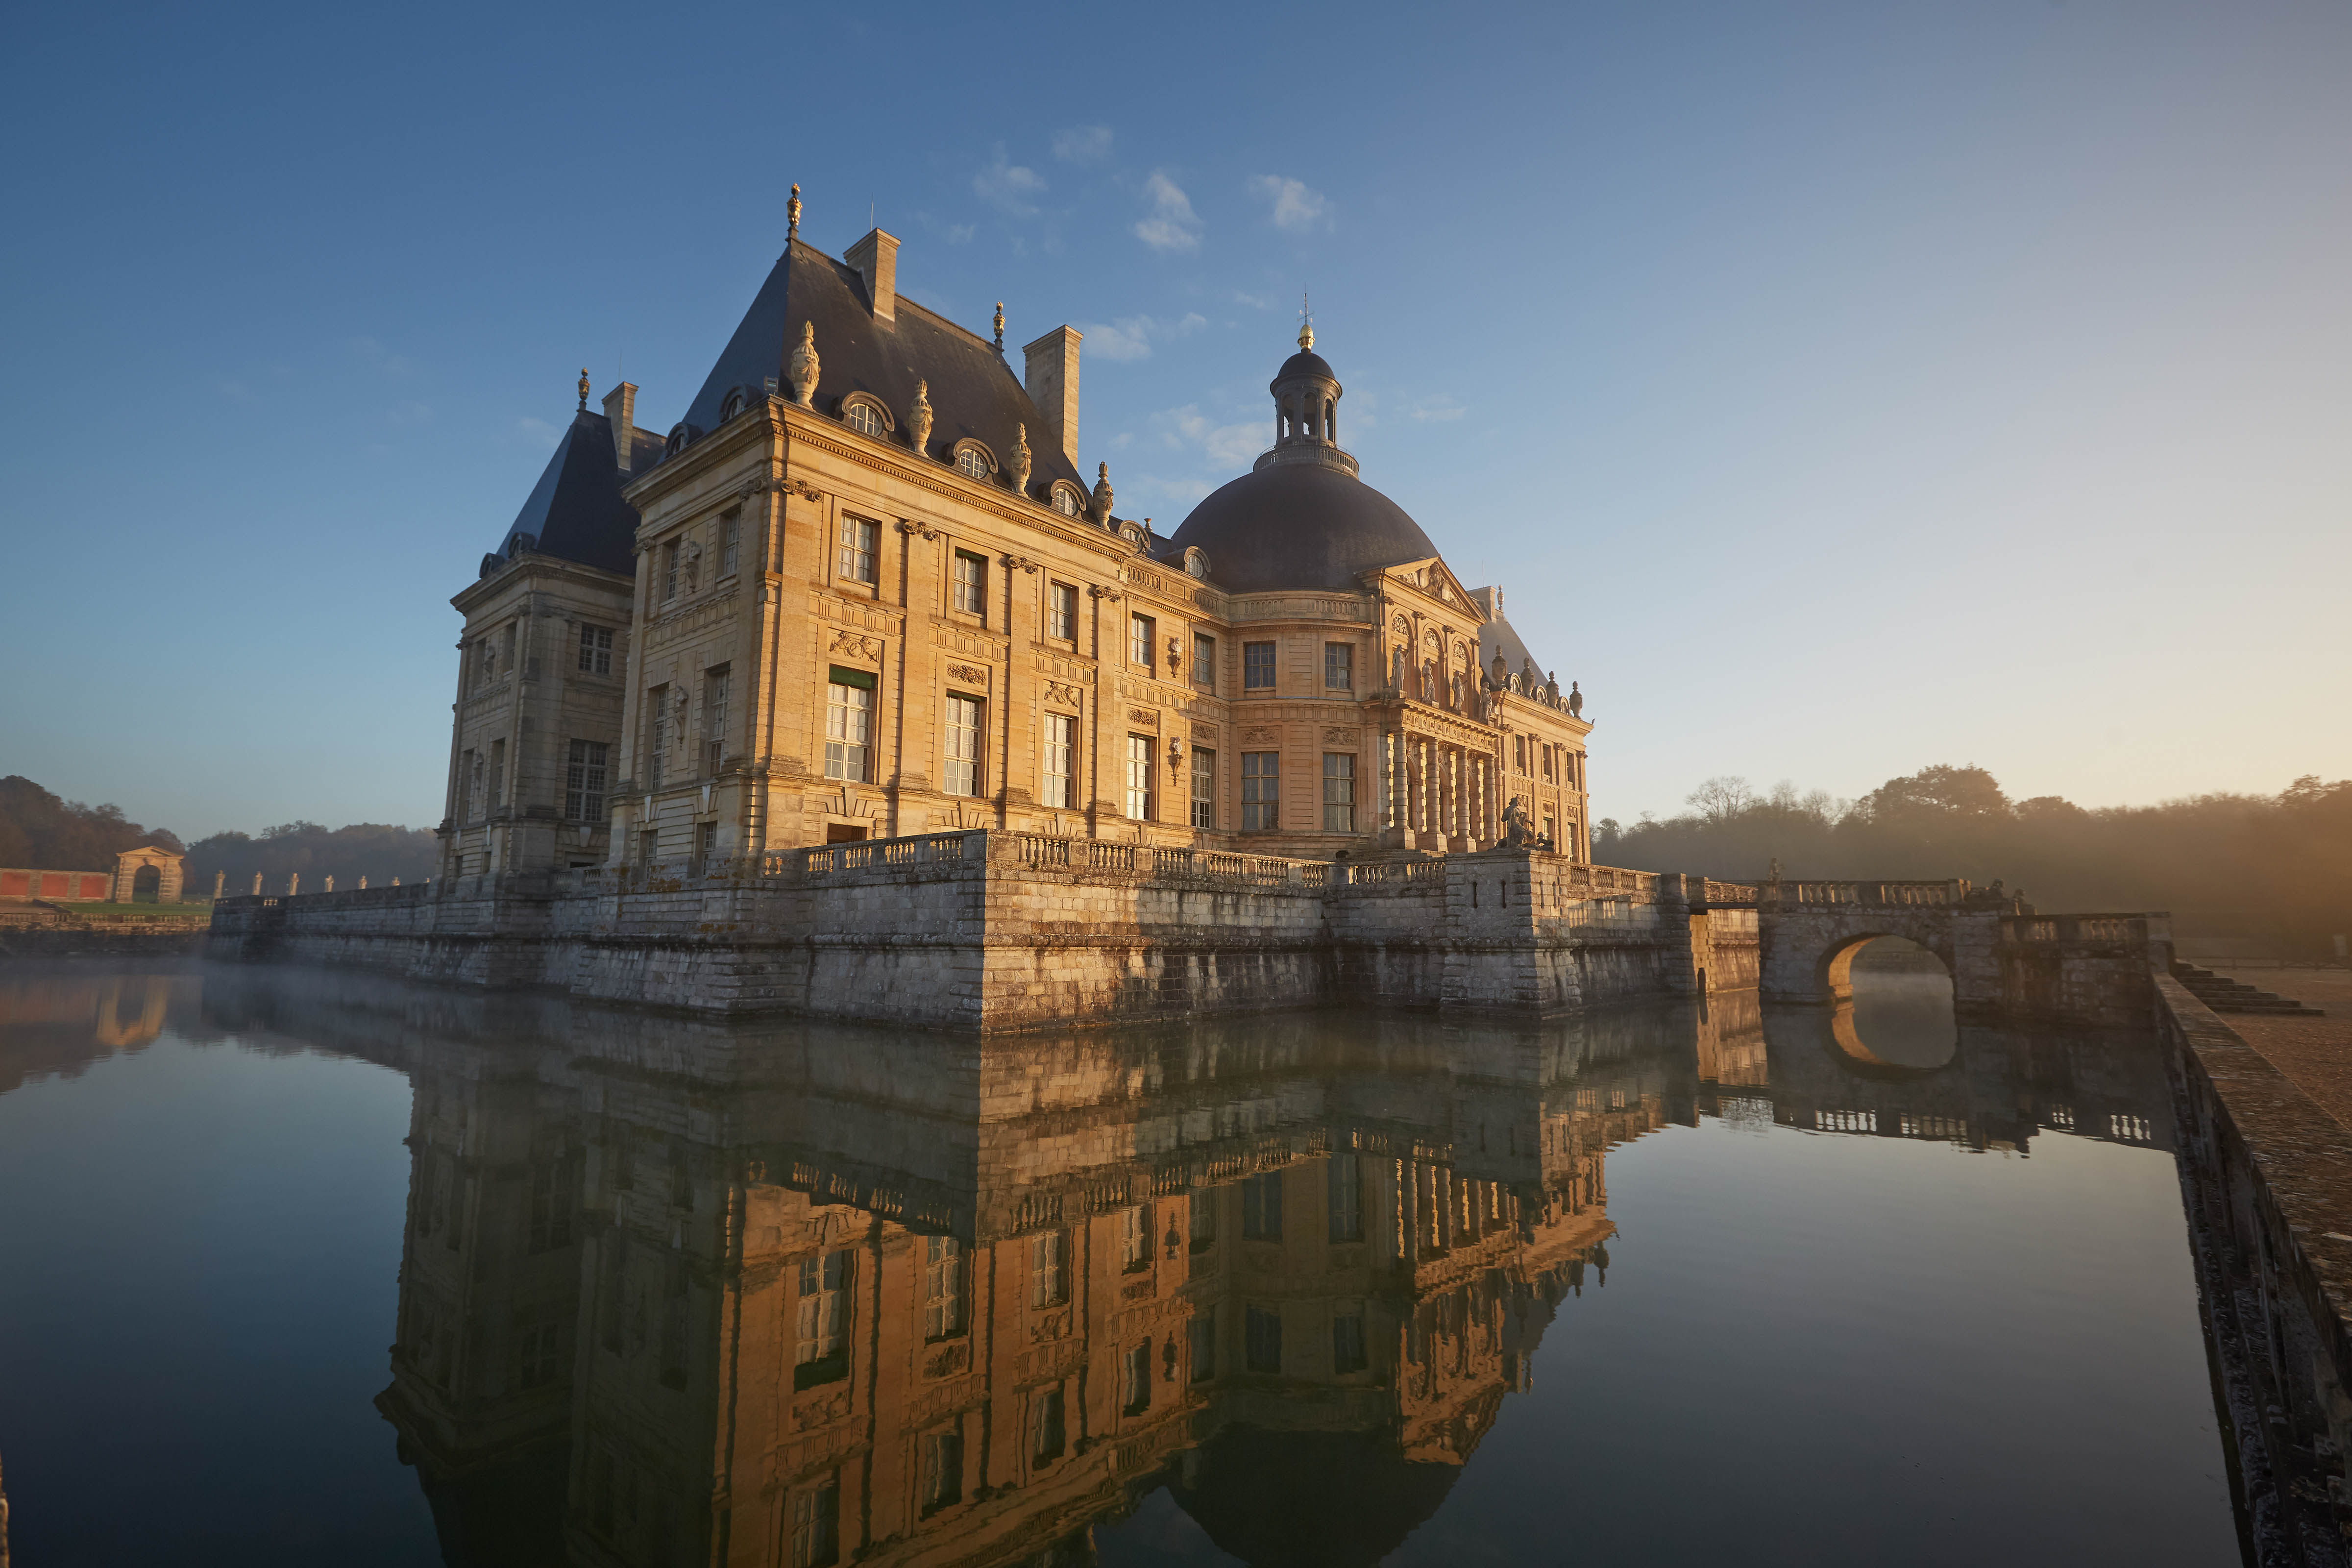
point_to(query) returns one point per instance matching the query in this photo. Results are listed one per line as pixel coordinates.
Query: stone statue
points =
(1102, 494)
(1515, 825)
(1502, 671)
(256, 884)
(802, 368)
(1575, 701)
(1396, 669)
(1021, 460)
(918, 417)
(330, 882)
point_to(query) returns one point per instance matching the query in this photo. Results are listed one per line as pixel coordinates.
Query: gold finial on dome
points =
(1306, 323)
(583, 386)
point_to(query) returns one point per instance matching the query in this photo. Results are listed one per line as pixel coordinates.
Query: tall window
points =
(1257, 667)
(942, 1287)
(822, 1353)
(716, 685)
(963, 760)
(1263, 1333)
(1339, 666)
(648, 846)
(1518, 753)
(706, 841)
(1261, 791)
(1135, 1379)
(1205, 789)
(1202, 1332)
(1139, 777)
(730, 543)
(469, 785)
(1139, 630)
(943, 1468)
(816, 1526)
(970, 583)
(1347, 1343)
(1339, 792)
(848, 723)
(1204, 1219)
(551, 1196)
(1261, 1208)
(1135, 1239)
(1061, 612)
(1049, 1269)
(1045, 1425)
(498, 773)
(584, 782)
(1061, 743)
(1204, 661)
(854, 560)
(1344, 1189)
(597, 650)
(669, 570)
(657, 757)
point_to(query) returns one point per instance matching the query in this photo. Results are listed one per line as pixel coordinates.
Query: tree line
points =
(40, 831)
(2276, 867)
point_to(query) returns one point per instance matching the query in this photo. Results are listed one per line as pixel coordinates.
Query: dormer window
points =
(1196, 564)
(864, 414)
(732, 406)
(678, 439)
(972, 461)
(1066, 499)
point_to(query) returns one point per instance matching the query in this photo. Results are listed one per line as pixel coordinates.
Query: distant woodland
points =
(2278, 868)
(39, 830)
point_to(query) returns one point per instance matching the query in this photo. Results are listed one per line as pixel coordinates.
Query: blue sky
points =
(1834, 389)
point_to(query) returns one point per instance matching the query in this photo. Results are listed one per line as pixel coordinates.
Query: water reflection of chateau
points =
(674, 1291)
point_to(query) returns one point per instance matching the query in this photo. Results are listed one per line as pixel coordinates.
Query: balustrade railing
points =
(1880, 894)
(2101, 928)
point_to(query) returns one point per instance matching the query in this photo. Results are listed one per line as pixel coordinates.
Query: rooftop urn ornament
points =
(792, 216)
(1000, 326)
(800, 370)
(918, 417)
(1502, 672)
(1102, 493)
(1551, 689)
(1019, 465)
(583, 386)
(1575, 701)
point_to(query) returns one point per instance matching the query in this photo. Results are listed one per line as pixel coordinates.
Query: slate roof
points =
(973, 390)
(576, 511)
(1298, 526)
(1497, 636)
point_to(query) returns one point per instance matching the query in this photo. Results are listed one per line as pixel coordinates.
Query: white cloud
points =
(410, 412)
(1007, 187)
(1083, 145)
(383, 358)
(1132, 337)
(1228, 446)
(539, 432)
(1440, 410)
(1259, 301)
(1173, 225)
(1294, 206)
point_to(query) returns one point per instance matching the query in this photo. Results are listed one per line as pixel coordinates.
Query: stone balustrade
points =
(1872, 895)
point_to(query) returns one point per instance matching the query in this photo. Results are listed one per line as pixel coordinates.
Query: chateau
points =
(862, 589)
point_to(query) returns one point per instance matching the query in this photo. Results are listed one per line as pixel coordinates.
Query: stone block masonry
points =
(1009, 932)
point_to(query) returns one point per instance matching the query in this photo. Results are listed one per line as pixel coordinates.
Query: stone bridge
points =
(2005, 959)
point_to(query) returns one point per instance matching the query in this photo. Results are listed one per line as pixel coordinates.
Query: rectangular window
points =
(1347, 1343)
(1262, 1328)
(730, 543)
(816, 1526)
(942, 1287)
(1135, 1379)
(537, 1349)
(822, 1353)
(1139, 632)
(706, 841)
(498, 773)
(552, 1195)
(583, 783)
(1345, 1191)
(855, 559)
(1257, 667)
(1204, 1219)
(716, 685)
(1261, 1208)
(1550, 832)
(1204, 661)
(511, 629)
(1061, 743)
(1261, 791)
(1139, 777)
(1205, 789)
(971, 584)
(1202, 1332)
(1518, 753)
(470, 788)
(962, 774)
(1135, 1239)
(943, 1468)
(669, 570)
(848, 723)
(1049, 1269)
(657, 733)
(648, 846)
(1061, 612)
(1339, 792)
(1547, 764)
(597, 650)
(1044, 1424)
(1339, 666)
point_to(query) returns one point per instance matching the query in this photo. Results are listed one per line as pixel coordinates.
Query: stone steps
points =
(2224, 994)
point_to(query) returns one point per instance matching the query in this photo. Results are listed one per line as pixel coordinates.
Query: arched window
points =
(1066, 500)
(862, 418)
(732, 406)
(1331, 420)
(676, 441)
(970, 461)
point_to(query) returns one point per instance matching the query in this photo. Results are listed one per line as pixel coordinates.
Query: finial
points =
(1306, 323)
(792, 216)
(583, 386)
(1000, 326)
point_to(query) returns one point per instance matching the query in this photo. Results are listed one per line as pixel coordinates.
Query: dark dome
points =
(1298, 525)
(1306, 362)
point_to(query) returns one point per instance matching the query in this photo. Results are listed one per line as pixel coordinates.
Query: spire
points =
(1306, 323)
(1000, 326)
(583, 387)
(1307, 405)
(792, 216)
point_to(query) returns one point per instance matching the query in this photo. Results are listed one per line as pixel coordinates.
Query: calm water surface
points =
(304, 1268)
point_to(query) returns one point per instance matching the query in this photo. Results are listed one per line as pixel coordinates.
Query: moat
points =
(307, 1266)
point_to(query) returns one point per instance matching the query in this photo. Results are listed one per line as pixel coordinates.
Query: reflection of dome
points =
(1299, 525)
(1290, 1500)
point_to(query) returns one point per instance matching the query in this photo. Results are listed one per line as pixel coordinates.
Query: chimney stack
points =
(876, 258)
(1052, 377)
(620, 408)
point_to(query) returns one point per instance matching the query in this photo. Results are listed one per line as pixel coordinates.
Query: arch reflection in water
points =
(1900, 1012)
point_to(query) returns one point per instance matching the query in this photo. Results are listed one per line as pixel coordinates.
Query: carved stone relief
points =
(850, 645)
(970, 672)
